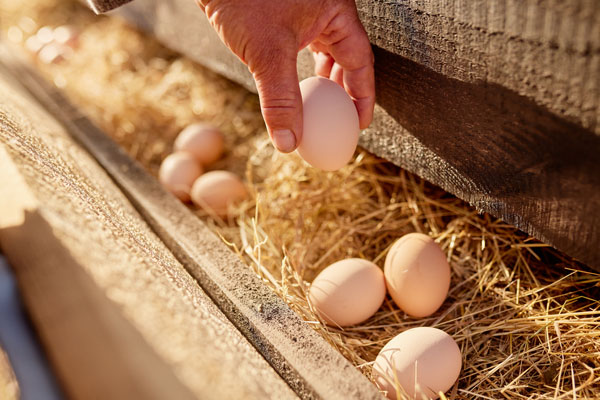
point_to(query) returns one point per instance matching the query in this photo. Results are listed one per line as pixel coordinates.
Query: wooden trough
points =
(497, 102)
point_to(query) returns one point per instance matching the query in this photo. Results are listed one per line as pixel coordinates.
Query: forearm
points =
(101, 6)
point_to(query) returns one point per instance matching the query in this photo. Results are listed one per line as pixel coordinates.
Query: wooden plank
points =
(119, 316)
(75, 320)
(307, 363)
(497, 102)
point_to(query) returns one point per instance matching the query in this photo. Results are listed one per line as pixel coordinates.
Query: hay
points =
(526, 317)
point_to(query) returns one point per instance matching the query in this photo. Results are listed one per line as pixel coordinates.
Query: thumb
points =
(280, 100)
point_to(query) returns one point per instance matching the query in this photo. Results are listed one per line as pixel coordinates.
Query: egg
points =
(33, 44)
(54, 53)
(417, 274)
(204, 141)
(331, 126)
(44, 34)
(66, 35)
(217, 190)
(178, 172)
(348, 292)
(422, 361)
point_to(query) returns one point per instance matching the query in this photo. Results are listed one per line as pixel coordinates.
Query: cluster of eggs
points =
(52, 45)
(182, 172)
(421, 361)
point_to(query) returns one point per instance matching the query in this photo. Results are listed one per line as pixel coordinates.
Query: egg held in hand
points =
(202, 140)
(417, 274)
(331, 126)
(216, 191)
(348, 292)
(178, 172)
(419, 361)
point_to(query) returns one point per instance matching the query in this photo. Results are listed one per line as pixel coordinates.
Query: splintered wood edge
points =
(303, 359)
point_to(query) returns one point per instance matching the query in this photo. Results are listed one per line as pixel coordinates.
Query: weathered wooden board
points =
(306, 362)
(117, 313)
(497, 102)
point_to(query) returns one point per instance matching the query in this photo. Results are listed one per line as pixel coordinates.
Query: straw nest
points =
(527, 318)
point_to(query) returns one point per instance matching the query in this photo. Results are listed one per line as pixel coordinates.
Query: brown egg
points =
(204, 141)
(422, 361)
(331, 125)
(178, 172)
(33, 44)
(44, 34)
(417, 274)
(54, 53)
(216, 190)
(348, 292)
(66, 35)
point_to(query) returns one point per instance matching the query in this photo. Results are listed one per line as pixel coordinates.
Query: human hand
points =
(267, 36)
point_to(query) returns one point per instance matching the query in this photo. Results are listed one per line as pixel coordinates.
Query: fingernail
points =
(284, 140)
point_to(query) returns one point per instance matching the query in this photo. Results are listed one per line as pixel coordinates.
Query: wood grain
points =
(117, 313)
(497, 102)
(305, 361)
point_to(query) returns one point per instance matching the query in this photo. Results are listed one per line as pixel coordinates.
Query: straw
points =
(525, 316)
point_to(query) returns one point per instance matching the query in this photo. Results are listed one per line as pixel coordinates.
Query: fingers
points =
(349, 45)
(337, 74)
(280, 100)
(323, 64)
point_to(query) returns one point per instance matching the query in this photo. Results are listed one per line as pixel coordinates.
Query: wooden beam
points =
(306, 362)
(117, 314)
(497, 102)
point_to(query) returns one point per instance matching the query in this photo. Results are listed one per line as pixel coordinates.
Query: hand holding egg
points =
(268, 42)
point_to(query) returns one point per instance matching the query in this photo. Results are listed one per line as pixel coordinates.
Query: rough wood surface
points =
(497, 102)
(118, 314)
(307, 363)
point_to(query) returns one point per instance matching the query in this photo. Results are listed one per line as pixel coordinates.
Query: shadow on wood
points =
(523, 163)
(96, 353)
